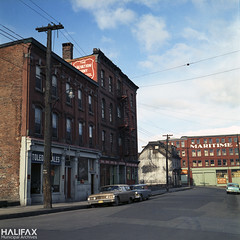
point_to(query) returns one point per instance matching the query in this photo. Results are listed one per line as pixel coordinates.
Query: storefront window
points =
(55, 178)
(82, 170)
(36, 178)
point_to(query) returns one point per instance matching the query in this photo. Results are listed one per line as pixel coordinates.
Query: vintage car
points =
(112, 194)
(232, 188)
(141, 192)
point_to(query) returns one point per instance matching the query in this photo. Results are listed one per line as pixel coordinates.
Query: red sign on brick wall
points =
(87, 66)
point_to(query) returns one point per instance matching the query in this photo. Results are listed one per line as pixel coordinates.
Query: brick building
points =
(209, 160)
(94, 135)
(117, 118)
(75, 155)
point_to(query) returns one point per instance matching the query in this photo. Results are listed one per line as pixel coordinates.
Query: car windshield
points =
(136, 187)
(109, 188)
(233, 185)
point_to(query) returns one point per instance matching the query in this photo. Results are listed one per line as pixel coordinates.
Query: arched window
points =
(103, 108)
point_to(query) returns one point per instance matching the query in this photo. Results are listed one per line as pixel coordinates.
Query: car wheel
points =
(117, 201)
(141, 198)
(130, 200)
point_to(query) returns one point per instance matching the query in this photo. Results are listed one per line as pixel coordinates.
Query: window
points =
(192, 141)
(206, 163)
(38, 78)
(224, 162)
(199, 153)
(118, 112)
(211, 152)
(103, 140)
(193, 153)
(223, 140)
(205, 140)
(38, 120)
(68, 99)
(205, 152)
(184, 163)
(111, 141)
(217, 140)
(183, 153)
(199, 163)
(177, 144)
(219, 162)
(182, 144)
(232, 162)
(210, 140)
(90, 135)
(103, 108)
(218, 152)
(212, 163)
(102, 75)
(69, 129)
(82, 170)
(224, 152)
(131, 100)
(54, 125)
(55, 178)
(79, 98)
(54, 86)
(36, 178)
(237, 161)
(110, 84)
(90, 103)
(198, 141)
(230, 151)
(229, 140)
(194, 163)
(80, 133)
(111, 113)
(236, 151)
(235, 139)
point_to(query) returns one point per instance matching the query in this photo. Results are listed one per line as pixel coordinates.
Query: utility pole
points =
(47, 189)
(168, 136)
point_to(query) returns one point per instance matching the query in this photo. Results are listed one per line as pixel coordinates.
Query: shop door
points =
(67, 183)
(92, 183)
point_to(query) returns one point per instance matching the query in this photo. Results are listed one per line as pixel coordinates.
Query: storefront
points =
(74, 172)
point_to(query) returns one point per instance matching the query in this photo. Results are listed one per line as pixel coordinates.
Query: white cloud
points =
(151, 32)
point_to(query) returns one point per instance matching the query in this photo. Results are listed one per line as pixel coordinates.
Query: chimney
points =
(67, 51)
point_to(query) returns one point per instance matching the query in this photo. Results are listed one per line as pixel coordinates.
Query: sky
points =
(183, 54)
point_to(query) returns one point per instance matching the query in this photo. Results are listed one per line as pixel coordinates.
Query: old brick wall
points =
(11, 65)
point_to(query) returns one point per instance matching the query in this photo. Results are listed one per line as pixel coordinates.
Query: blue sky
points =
(153, 41)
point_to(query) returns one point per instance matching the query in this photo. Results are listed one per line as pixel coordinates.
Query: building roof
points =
(54, 55)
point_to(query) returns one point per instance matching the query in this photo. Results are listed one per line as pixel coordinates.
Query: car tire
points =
(117, 201)
(141, 198)
(130, 200)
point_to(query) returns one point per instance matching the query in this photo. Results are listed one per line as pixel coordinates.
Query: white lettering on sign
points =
(212, 145)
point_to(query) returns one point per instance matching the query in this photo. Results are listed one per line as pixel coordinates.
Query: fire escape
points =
(126, 126)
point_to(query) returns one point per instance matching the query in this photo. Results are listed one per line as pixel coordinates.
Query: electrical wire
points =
(186, 64)
(190, 79)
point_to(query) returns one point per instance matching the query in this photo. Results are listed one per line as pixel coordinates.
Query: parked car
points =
(232, 188)
(112, 194)
(141, 191)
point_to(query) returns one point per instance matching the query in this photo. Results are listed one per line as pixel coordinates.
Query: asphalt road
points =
(199, 213)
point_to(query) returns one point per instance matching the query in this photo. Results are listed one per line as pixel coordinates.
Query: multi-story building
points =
(209, 160)
(94, 135)
(75, 155)
(117, 118)
(152, 168)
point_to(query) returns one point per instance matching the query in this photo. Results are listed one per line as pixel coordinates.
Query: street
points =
(199, 213)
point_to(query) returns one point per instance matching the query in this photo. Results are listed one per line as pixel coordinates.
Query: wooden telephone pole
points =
(168, 136)
(47, 189)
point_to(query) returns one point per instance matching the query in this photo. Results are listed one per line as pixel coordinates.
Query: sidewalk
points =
(34, 210)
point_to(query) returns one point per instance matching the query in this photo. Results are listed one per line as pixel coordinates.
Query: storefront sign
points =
(221, 180)
(38, 157)
(184, 171)
(212, 145)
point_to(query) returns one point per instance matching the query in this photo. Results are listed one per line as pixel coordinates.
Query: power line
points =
(186, 64)
(80, 52)
(190, 79)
